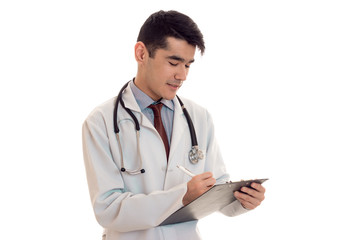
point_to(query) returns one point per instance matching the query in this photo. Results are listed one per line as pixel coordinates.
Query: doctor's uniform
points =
(132, 206)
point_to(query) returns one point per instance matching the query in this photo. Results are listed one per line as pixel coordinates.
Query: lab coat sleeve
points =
(114, 207)
(233, 209)
(219, 170)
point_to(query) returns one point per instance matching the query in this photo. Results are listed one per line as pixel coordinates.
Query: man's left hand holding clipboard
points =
(249, 197)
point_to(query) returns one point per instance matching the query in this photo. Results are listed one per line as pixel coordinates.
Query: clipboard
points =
(209, 202)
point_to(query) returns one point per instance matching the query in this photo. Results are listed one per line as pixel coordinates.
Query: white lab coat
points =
(132, 206)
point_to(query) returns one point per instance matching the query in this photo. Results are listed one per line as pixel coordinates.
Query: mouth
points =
(174, 86)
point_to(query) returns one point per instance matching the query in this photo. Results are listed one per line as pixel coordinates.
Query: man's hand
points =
(197, 186)
(251, 198)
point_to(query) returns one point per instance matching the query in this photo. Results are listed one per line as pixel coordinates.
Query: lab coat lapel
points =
(130, 102)
(179, 128)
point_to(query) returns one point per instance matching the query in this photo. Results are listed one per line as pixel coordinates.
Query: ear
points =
(141, 52)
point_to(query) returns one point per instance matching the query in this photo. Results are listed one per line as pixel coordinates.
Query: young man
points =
(132, 175)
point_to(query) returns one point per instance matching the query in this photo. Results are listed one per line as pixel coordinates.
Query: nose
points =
(181, 73)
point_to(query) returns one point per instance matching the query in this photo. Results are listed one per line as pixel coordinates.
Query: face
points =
(163, 75)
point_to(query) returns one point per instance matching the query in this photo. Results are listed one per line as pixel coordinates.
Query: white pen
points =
(186, 171)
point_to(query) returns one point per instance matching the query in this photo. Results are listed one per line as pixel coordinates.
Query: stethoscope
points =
(195, 154)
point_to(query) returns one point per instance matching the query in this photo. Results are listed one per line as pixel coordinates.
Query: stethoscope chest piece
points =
(195, 155)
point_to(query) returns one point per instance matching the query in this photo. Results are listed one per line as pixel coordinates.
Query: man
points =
(128, 203)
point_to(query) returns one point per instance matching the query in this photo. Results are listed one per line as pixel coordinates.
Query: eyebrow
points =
(180, 59)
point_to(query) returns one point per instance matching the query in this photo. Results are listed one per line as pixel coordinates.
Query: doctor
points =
(133, 180)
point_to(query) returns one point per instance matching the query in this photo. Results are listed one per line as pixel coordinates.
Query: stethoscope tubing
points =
(121, 101)
(190, 123)
(194, 155)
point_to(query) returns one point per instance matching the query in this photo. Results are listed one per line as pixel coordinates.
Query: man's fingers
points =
(210, 182)
(252, 197)
(204, 176)
(257, 191)
(247, 201)
(204, 180)
(253, 193)
(198, 185)
(248, 198)
(258, 187)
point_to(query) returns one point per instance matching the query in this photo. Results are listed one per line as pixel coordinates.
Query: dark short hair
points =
(163, 24)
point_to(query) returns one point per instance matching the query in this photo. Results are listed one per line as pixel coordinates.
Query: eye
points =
(187, 66)
(173, 64)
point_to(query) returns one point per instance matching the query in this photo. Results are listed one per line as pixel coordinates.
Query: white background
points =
(281, 79)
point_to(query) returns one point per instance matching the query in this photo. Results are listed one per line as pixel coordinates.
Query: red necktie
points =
(159, 126)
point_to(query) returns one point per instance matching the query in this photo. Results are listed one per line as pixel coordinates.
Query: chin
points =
(169, 96)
